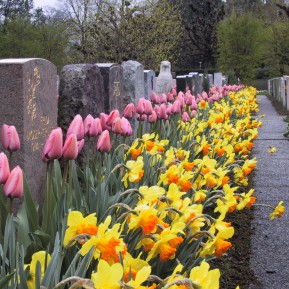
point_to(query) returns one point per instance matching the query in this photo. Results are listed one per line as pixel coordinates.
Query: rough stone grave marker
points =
(112, 74)
(218, 78)
(133, 81)
(149, 83)
(181, 83)
(81, 92)
(28, 89)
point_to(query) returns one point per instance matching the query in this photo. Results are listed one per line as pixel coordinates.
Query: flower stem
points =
(65, 173)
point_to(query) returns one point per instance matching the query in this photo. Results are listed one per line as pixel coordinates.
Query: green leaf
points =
(5, 280)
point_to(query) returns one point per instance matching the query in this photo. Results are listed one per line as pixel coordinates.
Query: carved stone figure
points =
(164, 81)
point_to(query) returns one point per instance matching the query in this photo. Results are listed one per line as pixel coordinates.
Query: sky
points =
(43, 3)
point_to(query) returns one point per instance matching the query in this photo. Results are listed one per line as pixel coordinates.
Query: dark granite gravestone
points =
(181, 83)
(133, 81)
(112, 74)
(201, 80)
(28, 91)
(81, 91)
(189, 82)
(149, 83)
(211, 80)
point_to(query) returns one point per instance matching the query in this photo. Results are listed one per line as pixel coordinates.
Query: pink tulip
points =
(185, 117)
(129, 111)
(4, 168)
(176, 108)
(98, 126)
(14, 184)
(163, 112)
(89, 126)
(155, 97)
(10, 139)
(204, 95)
(53, 146)
(153, 117)
(76, 127)
(142, 117)
(141, 106)
(80, 145)
(116, 126)
(193, 113)
(70, 149)
(170, 97)
(169, 109)
(103, 143)
(163, 98)
(148, 107)
(111, 117)
(103, 119)
(126, 127)
(194, 105)
(174, 91)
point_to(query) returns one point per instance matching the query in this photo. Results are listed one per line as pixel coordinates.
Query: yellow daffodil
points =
(134, 171)
(278, 211)
(77, 224)
(272, 150)
(107, 276)
(43, 258)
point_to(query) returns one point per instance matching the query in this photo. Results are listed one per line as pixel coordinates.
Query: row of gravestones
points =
(278, 88)
(29, 89)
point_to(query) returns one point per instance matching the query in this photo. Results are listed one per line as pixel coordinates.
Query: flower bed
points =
(147, 212)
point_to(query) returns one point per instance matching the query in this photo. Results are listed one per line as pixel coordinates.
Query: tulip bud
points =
(155, 98)
(141, 117)
(163, 98)
(111, 117)
(185, 117)
(125, 127)
(163, 112)
(170, 97)
(103, 119)
(10, 139)
(70, 149)
(153, 117)
(103, 143)
(193, 113)
(148, 107)
(194, 105)
(90, 126)
(141, 106)
(129, 111)
(176, 108)
(116, 126)
(13, 187)
(76, 127)
(53, 146)
(4, 168)
(98, 126)
(80, 145)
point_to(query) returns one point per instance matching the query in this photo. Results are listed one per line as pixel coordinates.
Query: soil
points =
(235, 265)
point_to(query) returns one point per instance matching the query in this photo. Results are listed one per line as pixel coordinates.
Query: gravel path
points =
(270, 241)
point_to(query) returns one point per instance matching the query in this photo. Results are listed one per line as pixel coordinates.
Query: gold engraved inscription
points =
(33, 82)
(116, 91)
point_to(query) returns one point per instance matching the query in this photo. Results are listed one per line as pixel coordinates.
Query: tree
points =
(118, 30)
(241, 41)
(278, 48)
(199, 19)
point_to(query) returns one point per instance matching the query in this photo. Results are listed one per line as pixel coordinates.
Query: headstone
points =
(224, 80)
(201, 80)
(269, 87)
(28, 91)
(218, 78)
(133, 81)
(149, 83)
(195, 83)
(286, 89)
(211, 80)
(282, 91)
(181, 83)
(81, 92)
(164, 82)
(189, 85)
(112, 74)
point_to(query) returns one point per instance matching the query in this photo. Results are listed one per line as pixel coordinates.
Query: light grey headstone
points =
(81, 92)
(282, 91)
(28, 91)
(164, 80)
(286, 90)
(149, 83)
(201, 80)
(269, 87)
(218, 78)
(133, 81)
(211, 80)
(112, 74)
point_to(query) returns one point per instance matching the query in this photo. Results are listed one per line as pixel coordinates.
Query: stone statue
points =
(164, 81)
